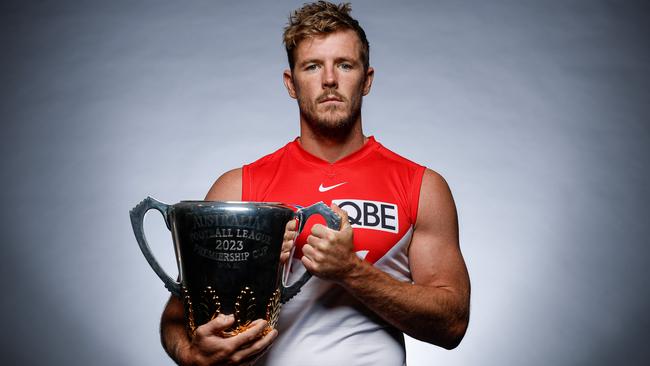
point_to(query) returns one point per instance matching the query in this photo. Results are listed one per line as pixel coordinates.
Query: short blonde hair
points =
(319, 18)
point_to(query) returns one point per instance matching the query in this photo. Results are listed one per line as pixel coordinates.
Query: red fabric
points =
(385, 181)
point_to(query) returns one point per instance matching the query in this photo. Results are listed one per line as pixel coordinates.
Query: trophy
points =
(228, 257)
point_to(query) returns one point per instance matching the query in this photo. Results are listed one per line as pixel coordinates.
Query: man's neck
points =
(332, 150)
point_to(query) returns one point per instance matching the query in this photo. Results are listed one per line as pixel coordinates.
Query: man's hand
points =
(329, 254)
(208, 347)
(288, 241)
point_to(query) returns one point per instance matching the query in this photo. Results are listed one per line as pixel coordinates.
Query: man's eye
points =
(345, 66)
(311, 67)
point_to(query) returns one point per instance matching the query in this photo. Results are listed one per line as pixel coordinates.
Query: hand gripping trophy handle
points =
(332, 220)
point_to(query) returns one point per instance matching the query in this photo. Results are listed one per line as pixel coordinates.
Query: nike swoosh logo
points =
(325, 189)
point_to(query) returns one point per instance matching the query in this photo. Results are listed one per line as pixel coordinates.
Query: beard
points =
(331, 121)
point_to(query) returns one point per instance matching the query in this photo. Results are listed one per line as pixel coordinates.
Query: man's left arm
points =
(433, 308)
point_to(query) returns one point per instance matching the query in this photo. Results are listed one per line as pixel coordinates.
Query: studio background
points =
(536, 113)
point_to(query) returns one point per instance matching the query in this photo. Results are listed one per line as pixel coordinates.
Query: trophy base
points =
(245, 310)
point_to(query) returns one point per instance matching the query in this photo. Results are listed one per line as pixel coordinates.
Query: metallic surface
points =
(228, 256)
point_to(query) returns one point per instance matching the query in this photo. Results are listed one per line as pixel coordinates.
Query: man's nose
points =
(329, 77)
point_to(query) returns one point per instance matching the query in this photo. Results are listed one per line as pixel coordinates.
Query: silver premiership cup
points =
(228, 256)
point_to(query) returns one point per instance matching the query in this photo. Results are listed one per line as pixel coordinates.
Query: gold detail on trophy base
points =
(238, 329)
(273, 309)
(244, 312)
(245, 306)
(272, 312)
(209, 307)
(189, 312)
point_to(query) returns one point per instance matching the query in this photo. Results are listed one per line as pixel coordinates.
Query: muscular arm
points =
(435, 307)
(207, 347)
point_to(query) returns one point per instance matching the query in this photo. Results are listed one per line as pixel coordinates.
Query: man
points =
(394, 266)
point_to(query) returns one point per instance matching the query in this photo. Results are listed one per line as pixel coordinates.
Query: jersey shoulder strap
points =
(257, 176)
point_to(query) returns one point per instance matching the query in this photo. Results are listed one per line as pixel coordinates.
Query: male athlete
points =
(394, 266)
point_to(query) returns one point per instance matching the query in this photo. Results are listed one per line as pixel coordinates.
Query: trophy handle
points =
(333, 222)
(137, 219)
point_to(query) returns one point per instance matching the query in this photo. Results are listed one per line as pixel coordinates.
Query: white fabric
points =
(325, 326)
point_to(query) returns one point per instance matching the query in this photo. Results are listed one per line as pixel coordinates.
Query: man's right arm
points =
(207, 347)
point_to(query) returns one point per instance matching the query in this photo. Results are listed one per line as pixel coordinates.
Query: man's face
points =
(329, 80)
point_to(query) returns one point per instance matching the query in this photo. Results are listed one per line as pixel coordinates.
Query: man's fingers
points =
(216, 325)
(322, 231)
(291, 225)
(287, 245)
(308, 250)
(250, 353)
(345, 220)
(290, 230)
(311, 257)
(308, 263)
(250, 334)
(315, 248)
(308, 254)
(289, 235)
(288, 241)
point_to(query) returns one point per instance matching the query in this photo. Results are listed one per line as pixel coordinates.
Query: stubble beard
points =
(332, 122)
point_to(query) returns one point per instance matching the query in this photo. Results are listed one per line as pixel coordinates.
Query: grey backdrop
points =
(536, 112)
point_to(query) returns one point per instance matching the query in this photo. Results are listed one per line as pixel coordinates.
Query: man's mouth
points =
(330, 98)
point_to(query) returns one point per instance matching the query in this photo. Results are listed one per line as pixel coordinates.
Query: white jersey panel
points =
(324, 325)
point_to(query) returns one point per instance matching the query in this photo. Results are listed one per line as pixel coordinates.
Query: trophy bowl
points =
(228, 257)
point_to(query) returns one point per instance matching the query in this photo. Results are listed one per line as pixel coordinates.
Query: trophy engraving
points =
(228, 256)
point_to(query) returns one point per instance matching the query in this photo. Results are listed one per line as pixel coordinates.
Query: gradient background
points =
(536, 112)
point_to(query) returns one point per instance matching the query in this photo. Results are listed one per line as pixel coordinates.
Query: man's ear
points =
(370, 74)
(287, 76)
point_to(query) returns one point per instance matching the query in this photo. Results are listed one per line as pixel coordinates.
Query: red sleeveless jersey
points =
(324, 324)
(377, 188)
